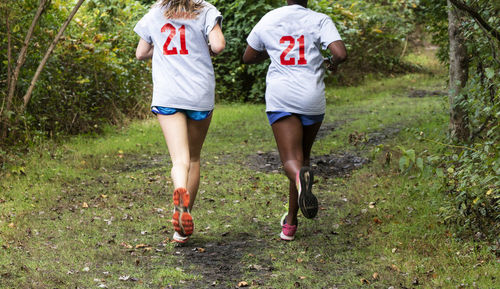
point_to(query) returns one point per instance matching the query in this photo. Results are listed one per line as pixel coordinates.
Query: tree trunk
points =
(459, 73)
(20, 62)
(27, 96)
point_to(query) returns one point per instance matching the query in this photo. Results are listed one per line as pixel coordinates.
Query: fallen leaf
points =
(85, 205)
(123, 244)
(243, 284)
(377, 220)
(256, 267)
(201, 250)
(375, 276)
(124, 278)
(364, 281)
(302, 277)
(395, 268)
(299, 260)
(11, 225)
(140, 246)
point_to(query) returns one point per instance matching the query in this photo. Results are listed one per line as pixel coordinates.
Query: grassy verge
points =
(94, 211)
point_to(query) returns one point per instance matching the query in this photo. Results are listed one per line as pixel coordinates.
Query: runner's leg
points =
(309, 136)
(175, 131)
(197, 131)
(288, 135)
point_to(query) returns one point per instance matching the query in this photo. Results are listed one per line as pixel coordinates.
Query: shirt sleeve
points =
(212, 18)
(328, 32)
(142, 29)
(254, 39)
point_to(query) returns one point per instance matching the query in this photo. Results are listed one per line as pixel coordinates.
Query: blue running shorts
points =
(191, 114)
(274, 116)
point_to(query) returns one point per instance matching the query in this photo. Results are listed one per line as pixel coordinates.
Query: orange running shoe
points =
(182, 220)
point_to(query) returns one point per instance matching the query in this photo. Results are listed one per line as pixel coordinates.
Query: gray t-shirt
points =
(293, 36)
(183, 75)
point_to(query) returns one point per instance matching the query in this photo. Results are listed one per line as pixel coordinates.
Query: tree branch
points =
(9, 49)
(22, 55)
(9, 59)
(27, 96)
(20, 61)
(479, 19)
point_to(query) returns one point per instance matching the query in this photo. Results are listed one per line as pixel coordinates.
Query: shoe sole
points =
(282, 235)
(286, 238)
(308, 203)
(182, 219)
(180, 240)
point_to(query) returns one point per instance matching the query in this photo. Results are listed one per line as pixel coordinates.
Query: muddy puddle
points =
(418, 93)
(326, 166)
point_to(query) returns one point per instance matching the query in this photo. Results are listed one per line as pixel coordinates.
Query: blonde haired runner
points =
(175, 34)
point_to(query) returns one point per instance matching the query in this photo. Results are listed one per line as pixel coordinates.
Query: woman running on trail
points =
(185, 33)
(293, 36)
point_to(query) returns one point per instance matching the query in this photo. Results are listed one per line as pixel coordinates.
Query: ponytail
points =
(186, 9)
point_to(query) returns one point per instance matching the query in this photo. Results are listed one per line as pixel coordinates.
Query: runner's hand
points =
(330, 65)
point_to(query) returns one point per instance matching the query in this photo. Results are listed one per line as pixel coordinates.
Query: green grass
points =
(94, 210)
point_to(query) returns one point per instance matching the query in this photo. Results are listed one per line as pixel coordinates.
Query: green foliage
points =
(235, 80)
(102, 80)
(409, 160)
(374, 34)
(92, 76)
(433, 17)
(473, 181)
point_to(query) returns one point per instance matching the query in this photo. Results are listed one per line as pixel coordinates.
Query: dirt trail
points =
(219, 263)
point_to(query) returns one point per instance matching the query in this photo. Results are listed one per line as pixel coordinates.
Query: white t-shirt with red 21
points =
(293, 36)
(183, 75)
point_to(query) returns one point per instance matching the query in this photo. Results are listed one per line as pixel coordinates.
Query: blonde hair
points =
(185, 9)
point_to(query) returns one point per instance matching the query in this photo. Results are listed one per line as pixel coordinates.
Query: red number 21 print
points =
(173, 32)
(291, 45)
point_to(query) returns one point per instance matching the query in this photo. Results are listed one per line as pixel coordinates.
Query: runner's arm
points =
(253, 56)
(144, 50)
(339, 54)
(217, 40)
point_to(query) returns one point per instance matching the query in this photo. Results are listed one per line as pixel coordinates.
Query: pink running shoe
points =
(287, 231)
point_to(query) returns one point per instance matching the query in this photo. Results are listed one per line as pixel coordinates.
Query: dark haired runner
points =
(293, 36)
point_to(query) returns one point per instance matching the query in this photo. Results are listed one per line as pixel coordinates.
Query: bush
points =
(473, 179)
(92, 76)
(374, 34)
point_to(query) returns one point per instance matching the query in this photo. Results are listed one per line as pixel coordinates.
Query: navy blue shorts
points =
(191, 114)
(306, 120)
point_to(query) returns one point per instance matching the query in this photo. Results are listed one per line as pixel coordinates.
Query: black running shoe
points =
(308, 203)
